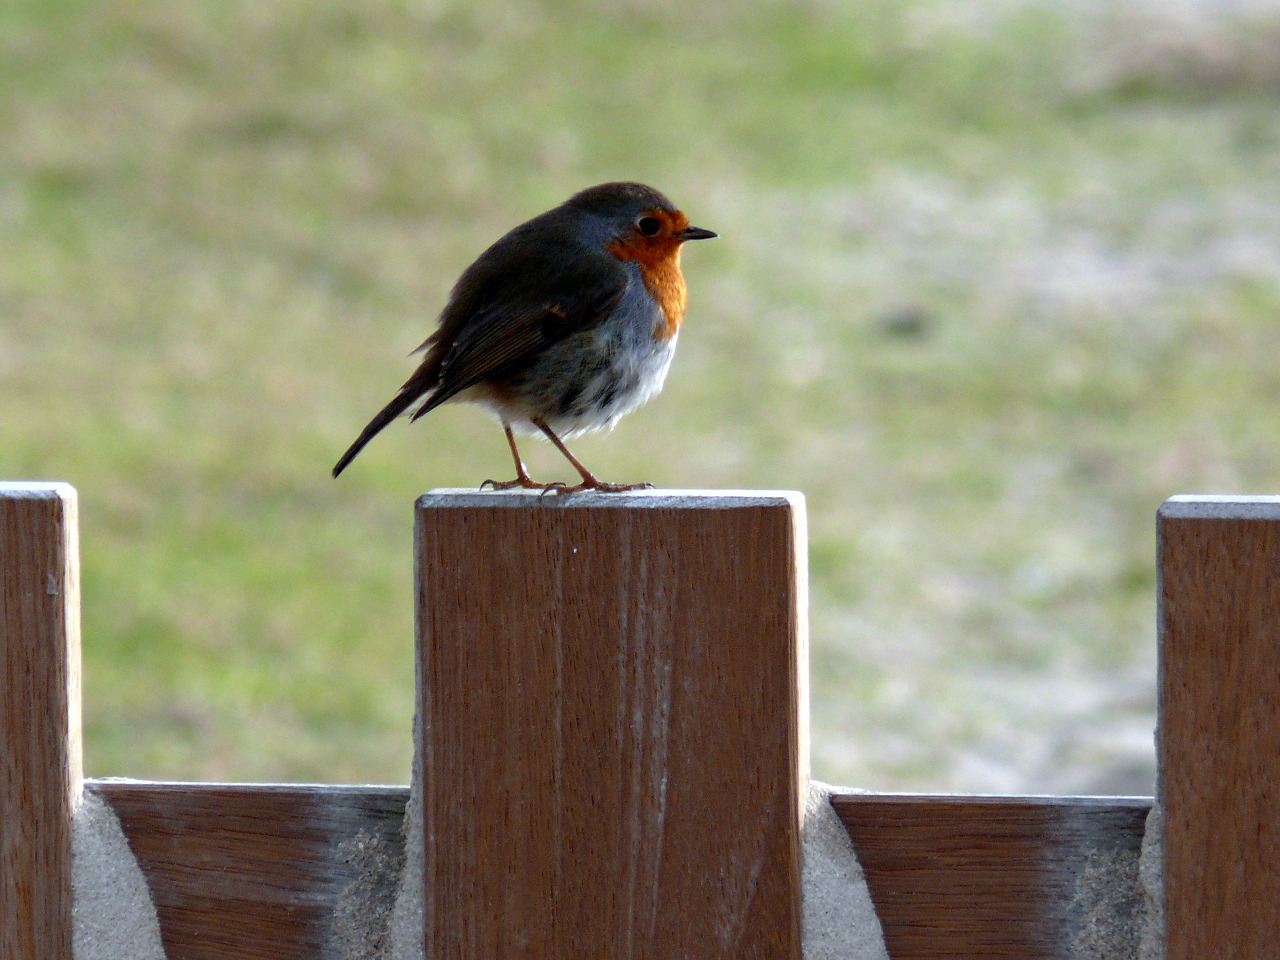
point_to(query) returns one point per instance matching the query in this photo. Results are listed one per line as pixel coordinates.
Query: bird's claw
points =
(598, 486)
(559, 487)
(618, 487)
(523, 483)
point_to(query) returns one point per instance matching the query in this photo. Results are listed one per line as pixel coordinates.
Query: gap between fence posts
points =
(613, 742)
(40, 763)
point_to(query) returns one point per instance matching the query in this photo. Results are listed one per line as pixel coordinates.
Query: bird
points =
(565, 324)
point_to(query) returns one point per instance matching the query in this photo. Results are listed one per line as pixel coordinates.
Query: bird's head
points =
(637, 222)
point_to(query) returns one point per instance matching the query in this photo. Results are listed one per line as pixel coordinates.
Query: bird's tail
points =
(403, 400)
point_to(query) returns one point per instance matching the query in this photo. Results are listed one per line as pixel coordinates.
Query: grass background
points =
(994, 280)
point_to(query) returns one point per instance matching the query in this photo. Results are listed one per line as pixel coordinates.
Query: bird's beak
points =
(694, 233)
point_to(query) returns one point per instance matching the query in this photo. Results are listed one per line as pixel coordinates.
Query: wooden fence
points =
(613, 755)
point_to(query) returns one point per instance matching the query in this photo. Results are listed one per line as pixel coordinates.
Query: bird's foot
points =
(617, 487)
(522, 483)
(599, 486)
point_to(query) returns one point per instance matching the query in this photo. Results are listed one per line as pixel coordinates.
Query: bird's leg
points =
(522, 479)
(589, 481)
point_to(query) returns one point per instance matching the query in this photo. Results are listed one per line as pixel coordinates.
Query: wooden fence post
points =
(613, 745)
(40, 767)
(1219, 565)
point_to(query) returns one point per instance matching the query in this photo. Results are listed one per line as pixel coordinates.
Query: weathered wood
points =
(243, 871)
(257, 872)
(999, 877)
(40, 765)
(606, 790)
(611, 689)
(1219, 626)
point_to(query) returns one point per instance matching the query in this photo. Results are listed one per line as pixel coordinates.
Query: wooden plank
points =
(40, 765)
(611, 693)
(1219, 628)
(244, 871)
(1017, 878)
(255, 872)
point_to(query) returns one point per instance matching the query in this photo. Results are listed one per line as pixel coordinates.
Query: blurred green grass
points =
(993, 281)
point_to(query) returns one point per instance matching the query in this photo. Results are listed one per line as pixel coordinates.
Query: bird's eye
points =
(648, 226)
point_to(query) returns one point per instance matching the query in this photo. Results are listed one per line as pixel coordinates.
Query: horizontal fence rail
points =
(240, 871)
(253, 872)
(1015, 877)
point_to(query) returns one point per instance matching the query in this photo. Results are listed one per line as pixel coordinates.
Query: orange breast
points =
(659, 260)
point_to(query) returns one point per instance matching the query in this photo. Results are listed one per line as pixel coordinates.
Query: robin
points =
(561, 327)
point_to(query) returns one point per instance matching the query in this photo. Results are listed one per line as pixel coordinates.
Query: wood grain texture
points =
(1219, 627)
(40, 765)
(611, 693)
(244, 871)
(256, 872)
(1016, 878)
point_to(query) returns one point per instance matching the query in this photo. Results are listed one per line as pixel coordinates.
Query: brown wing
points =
(535, 286)
(499, 339)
